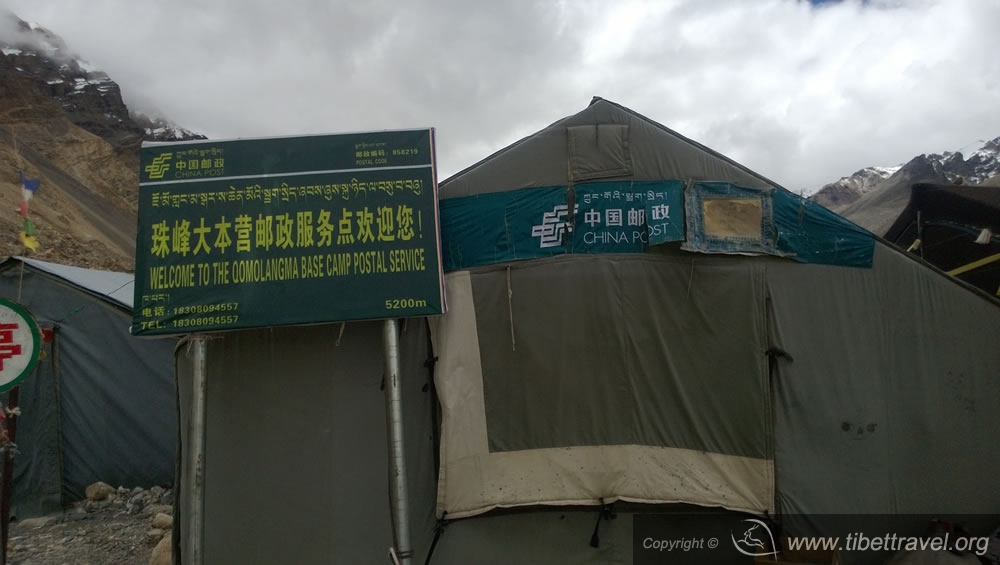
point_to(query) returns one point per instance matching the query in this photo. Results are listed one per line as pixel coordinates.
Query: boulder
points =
(162, 552)
(155, 509)
(99, 491)
(38, 522)
(163, 521)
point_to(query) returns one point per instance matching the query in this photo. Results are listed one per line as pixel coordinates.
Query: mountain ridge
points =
(64, 121)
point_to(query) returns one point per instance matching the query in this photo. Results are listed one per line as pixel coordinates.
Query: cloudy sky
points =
(801, 93)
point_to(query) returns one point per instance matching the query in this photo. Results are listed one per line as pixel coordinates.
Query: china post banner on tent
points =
(279, 231)
(529, 223)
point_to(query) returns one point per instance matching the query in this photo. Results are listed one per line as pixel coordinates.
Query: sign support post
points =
(397, 455)
(196, 459)
(20, 347)
(8, 469)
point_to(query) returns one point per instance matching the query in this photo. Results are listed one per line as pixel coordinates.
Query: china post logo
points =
(752, 539)
(159, 166)
(554, 225)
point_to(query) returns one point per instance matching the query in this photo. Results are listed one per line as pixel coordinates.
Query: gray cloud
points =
(803, 95)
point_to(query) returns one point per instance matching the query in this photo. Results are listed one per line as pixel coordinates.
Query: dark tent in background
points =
(958, 228)
(635, 322)
(101, 404)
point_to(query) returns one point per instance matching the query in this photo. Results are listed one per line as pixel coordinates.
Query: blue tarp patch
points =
(811, 233)
(725, 218)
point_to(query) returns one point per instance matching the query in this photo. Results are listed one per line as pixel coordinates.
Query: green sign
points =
(280, 231)
(20, 342)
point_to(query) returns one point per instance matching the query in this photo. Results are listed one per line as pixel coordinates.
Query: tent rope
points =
(510, 310)
(341, 334)
(690, 278)
(20, 282)
(438, 530)
(604, 514)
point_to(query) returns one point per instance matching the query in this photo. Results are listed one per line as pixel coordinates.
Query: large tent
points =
(635, 322)
(101, 404)
(955, 228)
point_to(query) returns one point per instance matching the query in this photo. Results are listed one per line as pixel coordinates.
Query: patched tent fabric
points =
(595, 401)
(101, 405)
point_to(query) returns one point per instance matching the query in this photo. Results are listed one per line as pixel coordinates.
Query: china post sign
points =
(278, 231)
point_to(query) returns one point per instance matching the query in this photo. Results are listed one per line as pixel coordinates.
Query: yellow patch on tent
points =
(733, 217)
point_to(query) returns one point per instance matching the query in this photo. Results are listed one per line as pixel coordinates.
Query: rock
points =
(168, 497)
(137, 490)
(160, 509)
(37, 522)
(163, 521)
(77, 516)
(156, 492)
(133, 509)
(99, 491)
(162, 552)
(155, 533)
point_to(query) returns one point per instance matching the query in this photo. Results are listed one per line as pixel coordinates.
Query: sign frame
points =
(36, 345)
(388, 279)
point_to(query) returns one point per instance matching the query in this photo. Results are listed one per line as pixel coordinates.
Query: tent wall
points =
(889, 404)
(115, 411)
(37, 487)
(582, 379)
(296, 467)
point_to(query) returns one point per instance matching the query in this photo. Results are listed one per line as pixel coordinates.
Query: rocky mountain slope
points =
(874, 196)
(64, 121)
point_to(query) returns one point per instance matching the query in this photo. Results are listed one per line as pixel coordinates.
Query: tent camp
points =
(635, 322)
(101, 404)
(958, 228)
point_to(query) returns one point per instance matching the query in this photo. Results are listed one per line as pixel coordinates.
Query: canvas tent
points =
(101, 404)
(958, 227)
(635, 321)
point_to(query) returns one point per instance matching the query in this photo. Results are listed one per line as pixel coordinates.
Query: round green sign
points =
(20, 342)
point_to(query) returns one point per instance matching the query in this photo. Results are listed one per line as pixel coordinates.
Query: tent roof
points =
(541, 158)
(951, 219)
(112, 286)
(972, 205)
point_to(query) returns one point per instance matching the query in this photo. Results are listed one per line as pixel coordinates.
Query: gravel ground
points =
(117, 530)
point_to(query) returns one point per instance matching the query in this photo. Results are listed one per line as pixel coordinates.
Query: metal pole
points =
(192, 550)
(8, 469)
(397, 456)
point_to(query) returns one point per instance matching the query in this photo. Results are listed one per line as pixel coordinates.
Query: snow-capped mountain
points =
(848, 189)
(90, 98)
(948, 167)
(63, 121)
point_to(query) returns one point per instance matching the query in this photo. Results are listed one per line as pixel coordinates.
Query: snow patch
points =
(887, 172)
(11, 51)
(33, 26)
(56, 81)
